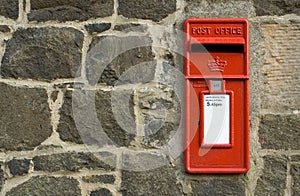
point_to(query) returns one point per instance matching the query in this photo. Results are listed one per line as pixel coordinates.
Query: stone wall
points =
(53, 98)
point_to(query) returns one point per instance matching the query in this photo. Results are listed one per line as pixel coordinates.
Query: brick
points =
(107, 179)
(9, 8)
(281, 67)
(160, 181)
(218, 187)
(97, 28)
(228, 8)
(153, 10)
(276, 7)
(121, 60)
(18, 166)
(43, 54)
(295, 172)
(89, 122)
(101, 192)
(42, 185)
(74, 162)
(279, 132)
(272, 180)
(69, 10)
(25, 117)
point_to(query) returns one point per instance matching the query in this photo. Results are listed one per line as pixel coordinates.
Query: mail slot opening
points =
(232, 48)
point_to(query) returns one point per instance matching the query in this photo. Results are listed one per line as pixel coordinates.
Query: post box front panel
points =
(217, 96)
(218, 155)
(220, 64)
(217, 47)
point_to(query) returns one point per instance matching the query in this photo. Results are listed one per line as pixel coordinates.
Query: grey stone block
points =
(272, 180)
(2, 179)
(130, 27)
(276, 7)
(279, 131)
(9, 8)
(295, 158)
(160, 113)
(89, 118)
(74, 161)
(68, 10)
(218, 187)
(18, 166)
(295, 171)
(4, 29)
(43, 54)
(97, 28)
(67, 128)
(160, 181)
(25, 117)
(219, 9)
(153, 10)
(52, 186)
(101, 192)
(107, 179)
(120, 60)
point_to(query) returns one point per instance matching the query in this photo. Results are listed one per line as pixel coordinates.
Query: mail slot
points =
(217, 95)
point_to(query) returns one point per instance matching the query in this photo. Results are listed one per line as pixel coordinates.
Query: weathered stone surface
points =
(116, 115)
(159, 113)
(43, 54)
(295, 172)
(142, 161)
(107, 179)
(117, 60)
(256, 53)
(61, 186)
(67, 128)
(160, 181)
(276, 7)
(2, 179)
(279, 131)
(272, 180)
(295, 158)
(68, 10)
(218, 187)
(130, 27)
(281, 68)
(18, 166)
(74, 161)
(101, 192)
(97, 28)
(24, 119)
(9, 8)
(153, 10)
(4, 29)
(113, 111)
(227, 8)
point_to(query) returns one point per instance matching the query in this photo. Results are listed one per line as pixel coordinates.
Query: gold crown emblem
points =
(217, 64)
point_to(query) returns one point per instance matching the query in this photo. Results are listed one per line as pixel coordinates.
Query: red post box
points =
(217, 95)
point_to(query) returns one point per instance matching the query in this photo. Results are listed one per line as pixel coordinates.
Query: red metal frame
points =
(219, 158)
